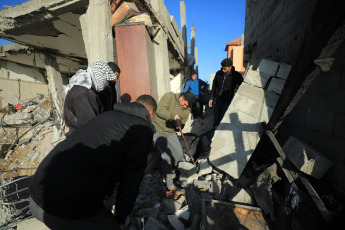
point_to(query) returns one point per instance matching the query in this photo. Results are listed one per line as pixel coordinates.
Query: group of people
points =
(108, 144)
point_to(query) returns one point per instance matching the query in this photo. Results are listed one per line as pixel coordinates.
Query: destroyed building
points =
(276, 161)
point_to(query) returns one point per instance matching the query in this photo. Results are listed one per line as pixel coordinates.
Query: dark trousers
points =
(103, 220)
(197, 109)
(220, 107)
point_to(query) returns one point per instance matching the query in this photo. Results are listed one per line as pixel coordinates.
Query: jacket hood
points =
(134, 109)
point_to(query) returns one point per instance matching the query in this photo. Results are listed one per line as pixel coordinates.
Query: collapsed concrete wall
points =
(319, 119)
(239, 132)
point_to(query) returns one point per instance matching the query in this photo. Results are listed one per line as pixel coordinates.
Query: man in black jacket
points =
(73, 180)
(83, 101)
(225, 84)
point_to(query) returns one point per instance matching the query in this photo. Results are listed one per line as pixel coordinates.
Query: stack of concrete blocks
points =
(239, 132)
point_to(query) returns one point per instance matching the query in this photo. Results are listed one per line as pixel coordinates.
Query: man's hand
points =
(178, 122)
(210, 103)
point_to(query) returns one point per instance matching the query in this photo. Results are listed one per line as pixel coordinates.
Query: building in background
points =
(234, 51)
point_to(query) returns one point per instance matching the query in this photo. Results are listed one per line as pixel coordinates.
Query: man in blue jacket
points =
(194, 86)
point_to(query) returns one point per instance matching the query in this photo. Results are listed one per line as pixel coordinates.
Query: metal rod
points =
(190, 154)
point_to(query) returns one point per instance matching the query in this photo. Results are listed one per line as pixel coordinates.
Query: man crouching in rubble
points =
(71, 183)
(173, 111)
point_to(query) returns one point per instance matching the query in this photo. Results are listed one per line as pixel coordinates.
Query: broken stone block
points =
(154, 224)
(204, 167)
(262, 190)
(276, 85)
(170, 206)
(188, 172)
(305, 158)
(206, 186)
(284, 70)
(256, 78)
(243, 196)
(268, 67)
(183, 213)
(175, 223)
(18, 119)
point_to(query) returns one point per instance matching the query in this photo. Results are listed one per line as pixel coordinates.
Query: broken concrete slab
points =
(204, 167)
(240, 130)
(170, 206)
(232, 149)
(175, 223)
(305, 158)
(18, 119)
(256, 78)
(207, 186)
(154, 224)
(262, 190)
(276, 85)
(31, 224)
(188, 172)
(242, 196)
(183, 213)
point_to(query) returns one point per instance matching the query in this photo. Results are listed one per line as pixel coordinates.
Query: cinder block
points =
(305, 158)
(268, 67)
(276, 85)
(255, 78)
(284, 71)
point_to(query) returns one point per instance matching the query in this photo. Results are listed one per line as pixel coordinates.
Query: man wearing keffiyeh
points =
(82, 101)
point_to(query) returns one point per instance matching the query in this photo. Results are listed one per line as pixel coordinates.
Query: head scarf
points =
(96, 76)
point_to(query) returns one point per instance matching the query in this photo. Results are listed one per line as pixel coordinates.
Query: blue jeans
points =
(220, 107)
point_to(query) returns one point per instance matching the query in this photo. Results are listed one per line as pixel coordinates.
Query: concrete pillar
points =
(196, 61)
(183, 26)
(192, 42)
(161, 54)
(55, 84)
(96, 29)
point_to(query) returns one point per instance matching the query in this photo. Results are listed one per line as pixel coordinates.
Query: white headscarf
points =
(96, 76)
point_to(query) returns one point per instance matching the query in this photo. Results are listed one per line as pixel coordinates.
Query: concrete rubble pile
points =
(27, 134)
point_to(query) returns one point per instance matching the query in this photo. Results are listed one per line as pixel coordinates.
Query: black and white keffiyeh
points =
(96, 76)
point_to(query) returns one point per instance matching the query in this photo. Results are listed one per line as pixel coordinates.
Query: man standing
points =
(73, 180)
(83, 100)
(225, 84)
(195, 85)
(109, 94)
(173, 111)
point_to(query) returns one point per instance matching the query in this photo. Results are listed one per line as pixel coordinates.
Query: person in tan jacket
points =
(172, 113)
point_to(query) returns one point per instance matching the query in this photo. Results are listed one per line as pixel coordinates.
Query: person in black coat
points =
(83, 101)
(224, 87)
(109, 94)
(70, 184)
